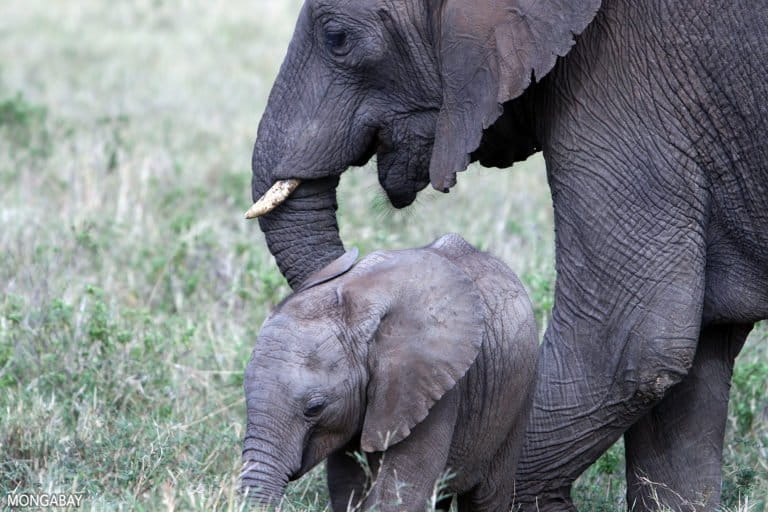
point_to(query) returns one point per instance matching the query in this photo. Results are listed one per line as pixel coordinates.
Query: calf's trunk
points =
(264, 477)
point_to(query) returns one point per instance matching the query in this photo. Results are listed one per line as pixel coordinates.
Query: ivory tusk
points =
(274, 197)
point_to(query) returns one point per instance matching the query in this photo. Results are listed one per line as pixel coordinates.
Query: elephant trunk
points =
(302, 233)
(264, 476)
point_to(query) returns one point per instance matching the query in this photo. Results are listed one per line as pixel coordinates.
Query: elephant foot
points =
(674, 453)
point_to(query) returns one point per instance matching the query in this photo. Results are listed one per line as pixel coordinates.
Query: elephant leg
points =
(621, 336)
(496, 490)
(347, 479)
(630, 259)
(679, 443)
(405, 475)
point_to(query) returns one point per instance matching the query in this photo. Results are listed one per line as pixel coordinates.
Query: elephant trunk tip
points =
(262, 490)
(258, 496)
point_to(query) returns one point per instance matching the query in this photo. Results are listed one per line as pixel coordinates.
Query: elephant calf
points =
(422, 359)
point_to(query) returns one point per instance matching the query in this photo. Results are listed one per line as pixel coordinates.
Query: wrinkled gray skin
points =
(423, 359)
(654, 127)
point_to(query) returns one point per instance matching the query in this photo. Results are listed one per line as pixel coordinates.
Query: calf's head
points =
(360, 355)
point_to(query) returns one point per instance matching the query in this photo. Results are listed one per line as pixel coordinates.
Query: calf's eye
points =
(314, 407)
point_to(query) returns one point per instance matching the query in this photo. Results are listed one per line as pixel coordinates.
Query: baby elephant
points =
(421, 359)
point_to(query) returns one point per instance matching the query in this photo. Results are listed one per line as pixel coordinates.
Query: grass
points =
(131, 288)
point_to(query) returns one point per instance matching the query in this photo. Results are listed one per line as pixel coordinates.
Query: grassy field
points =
(131, 290)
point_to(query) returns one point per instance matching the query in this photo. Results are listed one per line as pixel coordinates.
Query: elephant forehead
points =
(294, 372)
(300, 333)
(317, 305)
(310, 345)
(346, 5)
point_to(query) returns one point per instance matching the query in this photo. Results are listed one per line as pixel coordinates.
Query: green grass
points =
(131, 290)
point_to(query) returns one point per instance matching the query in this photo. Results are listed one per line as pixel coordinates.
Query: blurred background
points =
(131, 288)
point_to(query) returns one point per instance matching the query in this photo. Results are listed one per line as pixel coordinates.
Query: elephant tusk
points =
(274, 197)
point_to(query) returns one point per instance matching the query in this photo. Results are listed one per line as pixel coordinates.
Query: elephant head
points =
(418, 83)
(358, 355)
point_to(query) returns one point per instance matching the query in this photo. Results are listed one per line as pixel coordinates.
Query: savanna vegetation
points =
(132, 290)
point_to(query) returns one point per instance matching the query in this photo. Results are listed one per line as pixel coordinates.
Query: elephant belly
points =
(729, 124)
(736, 279)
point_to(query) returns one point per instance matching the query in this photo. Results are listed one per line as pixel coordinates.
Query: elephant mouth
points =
(401, 198)
(402, 177)
(307, 464)
(300, 473)
(369, 150)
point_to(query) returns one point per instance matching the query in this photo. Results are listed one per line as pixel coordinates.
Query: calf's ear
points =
(426, 329)
(336, 268)
(489, 51)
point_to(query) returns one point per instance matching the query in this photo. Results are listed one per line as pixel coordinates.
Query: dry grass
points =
(131, 290)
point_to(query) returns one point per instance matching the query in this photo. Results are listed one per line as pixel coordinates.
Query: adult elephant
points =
(655, 134)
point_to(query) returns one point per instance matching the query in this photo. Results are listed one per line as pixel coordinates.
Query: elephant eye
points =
(314, 407)
(336, 41)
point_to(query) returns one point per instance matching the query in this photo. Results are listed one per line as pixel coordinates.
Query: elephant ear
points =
(334, 269)
(427, 331)
(489, 52)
